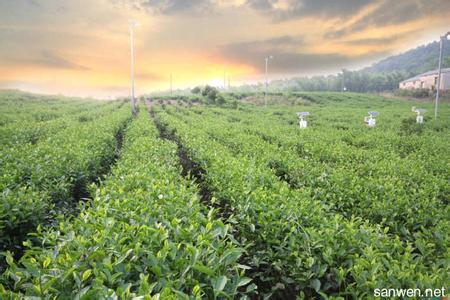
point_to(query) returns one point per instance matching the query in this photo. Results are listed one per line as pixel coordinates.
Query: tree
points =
(210, 93)
(196, 90)
(220, 99)
(446, 62)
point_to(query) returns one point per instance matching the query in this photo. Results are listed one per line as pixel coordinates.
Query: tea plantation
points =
(208, 202)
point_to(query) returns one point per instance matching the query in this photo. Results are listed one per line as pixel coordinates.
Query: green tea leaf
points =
(86, 274)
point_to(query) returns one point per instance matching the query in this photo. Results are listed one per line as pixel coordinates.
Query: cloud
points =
(289, 59)
(167, 7)
(44, 58)
(286, 58)
(37, 51)
(279, 9)
(385, 40)
(288, 9)
(278, 44)
(386, 12)
(393, 12)
(52, 60)
(253, 53)
(261, 5)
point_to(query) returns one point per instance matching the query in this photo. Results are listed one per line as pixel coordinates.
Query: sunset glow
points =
(82, 47)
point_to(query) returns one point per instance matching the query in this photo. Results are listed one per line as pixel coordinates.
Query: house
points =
(427, 80)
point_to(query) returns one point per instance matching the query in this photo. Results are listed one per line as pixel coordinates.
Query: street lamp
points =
(441, 46)
(132, 25)
(267, 82)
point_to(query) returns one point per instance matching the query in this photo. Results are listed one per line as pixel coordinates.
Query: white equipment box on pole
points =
(420, 112)
(302, 119)
(370, 119)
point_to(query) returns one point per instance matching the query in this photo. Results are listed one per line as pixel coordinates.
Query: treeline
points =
(205, 95)
(354, 81)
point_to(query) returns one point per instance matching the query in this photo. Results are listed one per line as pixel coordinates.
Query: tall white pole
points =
(441, 46)
(265, 93)
(133, 100)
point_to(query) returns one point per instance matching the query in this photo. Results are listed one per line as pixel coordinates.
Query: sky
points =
(82, 47)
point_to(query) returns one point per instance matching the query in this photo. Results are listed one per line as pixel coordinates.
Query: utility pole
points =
(267, 81)
(441, 46)
(132, 25)
(343, 81)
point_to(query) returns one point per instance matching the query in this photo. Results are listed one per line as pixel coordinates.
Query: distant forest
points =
(384, 75)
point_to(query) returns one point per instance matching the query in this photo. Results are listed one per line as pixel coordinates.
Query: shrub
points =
(220, 100)
(416, 93)
(196, 90)
(210, 93)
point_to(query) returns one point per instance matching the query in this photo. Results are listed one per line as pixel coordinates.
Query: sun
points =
(216, 82)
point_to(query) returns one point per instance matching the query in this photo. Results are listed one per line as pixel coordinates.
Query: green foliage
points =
(446, 62)
(336, 209)
(220, 100)
(332, 211)
(52, 165)
(353, 81)
(27, 119)
(416, 93)
(409, 126)
(210, 93)
(196, 90)
(145, 233)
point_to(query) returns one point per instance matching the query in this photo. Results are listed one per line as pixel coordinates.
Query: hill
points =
(414, 61)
